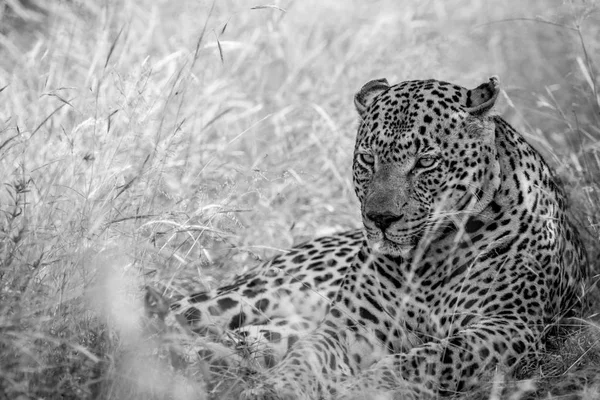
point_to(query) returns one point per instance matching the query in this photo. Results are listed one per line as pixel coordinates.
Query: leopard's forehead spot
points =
(412, 117)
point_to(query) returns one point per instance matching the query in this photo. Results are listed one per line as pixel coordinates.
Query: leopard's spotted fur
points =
(467, 255)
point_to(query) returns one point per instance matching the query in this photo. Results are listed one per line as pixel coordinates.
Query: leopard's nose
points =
(383, 220)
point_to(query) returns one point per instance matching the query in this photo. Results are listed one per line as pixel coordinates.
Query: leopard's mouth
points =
(395, 242)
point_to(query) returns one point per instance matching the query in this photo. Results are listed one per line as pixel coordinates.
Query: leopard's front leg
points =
(450, 365)
(316, 365)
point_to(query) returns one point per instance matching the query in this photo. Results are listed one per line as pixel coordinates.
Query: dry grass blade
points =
(220, 50)
(589, 71)
(249, 128)
(7, 141)
(135, 217)
(37, 128)
(109, 120)
(187, 228)
(537, 20)
(224, 27)
(68, 102)
(267, 6)
(201, 37)
(125, 187)
(217, 117)
(113, 46)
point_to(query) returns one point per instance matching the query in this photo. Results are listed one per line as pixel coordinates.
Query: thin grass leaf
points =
(125, 187)
(265, 6)
(68, 102)
(220, 51)
(135, 217)
(224, 27)
(541, 21)
(45, 120)
(7, 141)
(112, 46)
(216, 118)
(199, 42)
(109, 120)
(188, 228)
(83, 350)
(249, 128)
(589, 71)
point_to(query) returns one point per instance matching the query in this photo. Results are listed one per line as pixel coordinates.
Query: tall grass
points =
(144, 141)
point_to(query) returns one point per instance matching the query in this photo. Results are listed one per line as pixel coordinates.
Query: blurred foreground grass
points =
(143, 141)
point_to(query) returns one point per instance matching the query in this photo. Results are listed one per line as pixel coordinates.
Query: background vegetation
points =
(181, 142)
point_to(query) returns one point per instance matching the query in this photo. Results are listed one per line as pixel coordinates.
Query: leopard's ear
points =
(367, 94)
(481, 99)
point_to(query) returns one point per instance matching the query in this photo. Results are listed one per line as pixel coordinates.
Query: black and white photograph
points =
(299, 200)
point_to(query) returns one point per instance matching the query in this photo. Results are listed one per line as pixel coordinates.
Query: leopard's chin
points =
(387, 247)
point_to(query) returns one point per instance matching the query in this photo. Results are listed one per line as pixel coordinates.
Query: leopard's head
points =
(425, 157)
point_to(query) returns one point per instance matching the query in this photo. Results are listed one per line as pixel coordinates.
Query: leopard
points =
(467, 256)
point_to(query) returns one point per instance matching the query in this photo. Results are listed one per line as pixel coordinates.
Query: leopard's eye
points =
(426, 162)
(367, 158)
